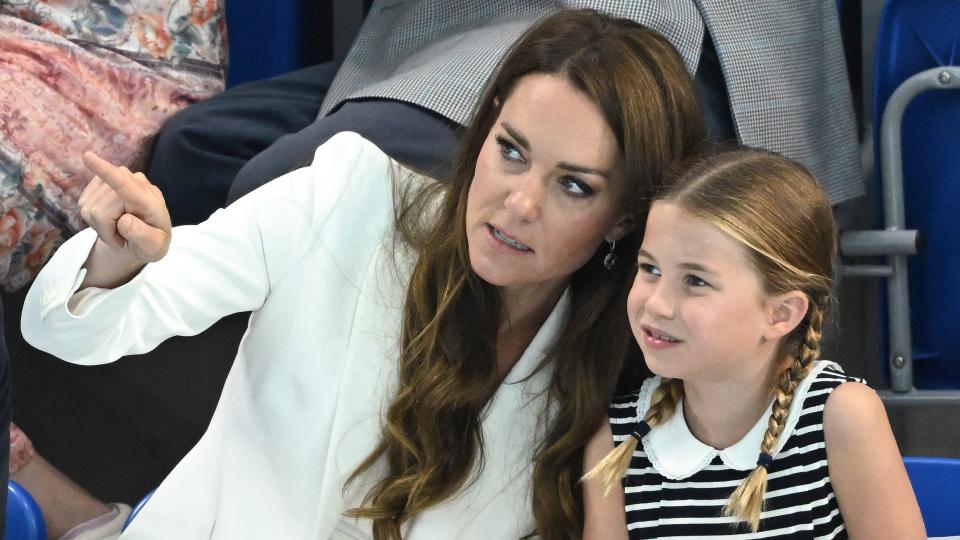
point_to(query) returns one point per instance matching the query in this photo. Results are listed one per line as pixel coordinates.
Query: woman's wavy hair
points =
(776, 209)
(432, 440)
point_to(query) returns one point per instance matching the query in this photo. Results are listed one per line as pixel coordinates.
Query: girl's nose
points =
(660, 303)
(525, 198)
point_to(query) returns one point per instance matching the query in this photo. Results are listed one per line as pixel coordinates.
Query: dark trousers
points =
(216, 151)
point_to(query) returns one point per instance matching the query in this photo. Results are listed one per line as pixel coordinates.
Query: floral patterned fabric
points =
(78, 75)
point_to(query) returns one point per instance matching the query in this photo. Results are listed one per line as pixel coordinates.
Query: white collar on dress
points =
(677, 454)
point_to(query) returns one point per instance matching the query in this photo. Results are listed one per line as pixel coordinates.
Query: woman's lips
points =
(503, 239)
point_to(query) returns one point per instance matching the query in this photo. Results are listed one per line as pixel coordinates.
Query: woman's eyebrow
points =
(572, 167)
(581, 169)
(521, 140)
(644, 253)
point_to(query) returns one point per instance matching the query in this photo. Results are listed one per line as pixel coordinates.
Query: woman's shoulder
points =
(340, 204)
(368, 171)
(351, 152)
(346, 168)
(348, 176)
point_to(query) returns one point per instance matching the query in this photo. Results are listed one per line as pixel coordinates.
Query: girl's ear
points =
(625, 226)
(784, 312)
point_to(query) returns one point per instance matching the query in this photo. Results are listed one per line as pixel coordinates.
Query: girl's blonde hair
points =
(774, 207)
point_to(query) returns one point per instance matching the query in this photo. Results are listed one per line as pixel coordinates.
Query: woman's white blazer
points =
(312, 255)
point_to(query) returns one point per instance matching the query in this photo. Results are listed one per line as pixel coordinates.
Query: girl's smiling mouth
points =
(658, 339)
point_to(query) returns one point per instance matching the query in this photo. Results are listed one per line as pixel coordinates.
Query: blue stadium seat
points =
(271, 38)
(24, 518)
(914, 36)
(935, 482)
(137, 508)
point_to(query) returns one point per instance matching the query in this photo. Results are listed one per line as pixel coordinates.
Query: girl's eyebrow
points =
(696, 267)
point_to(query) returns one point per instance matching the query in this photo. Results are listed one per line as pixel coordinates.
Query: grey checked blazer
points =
(782, 61)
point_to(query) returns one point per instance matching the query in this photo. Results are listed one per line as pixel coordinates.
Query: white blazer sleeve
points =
(225, 265)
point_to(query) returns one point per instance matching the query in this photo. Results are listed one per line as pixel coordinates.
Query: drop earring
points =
(611, 259)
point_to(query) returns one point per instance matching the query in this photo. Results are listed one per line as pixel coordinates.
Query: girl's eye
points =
(694, 281)
(508, 150)
(576, 187)
(649, 269)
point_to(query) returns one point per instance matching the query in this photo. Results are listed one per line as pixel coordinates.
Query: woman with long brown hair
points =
(424, 360)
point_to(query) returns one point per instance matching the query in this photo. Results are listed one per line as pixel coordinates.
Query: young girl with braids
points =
(743, 432)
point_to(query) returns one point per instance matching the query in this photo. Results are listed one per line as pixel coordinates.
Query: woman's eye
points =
(649, 269)
(694, 281)
(576, 187)
(508, 150)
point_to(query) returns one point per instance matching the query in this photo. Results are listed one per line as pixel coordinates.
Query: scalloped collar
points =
(677, 454)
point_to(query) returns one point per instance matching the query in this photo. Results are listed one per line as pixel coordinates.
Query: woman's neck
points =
(721, 413)
(522, 314)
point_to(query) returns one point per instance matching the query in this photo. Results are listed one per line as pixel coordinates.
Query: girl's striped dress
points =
(677, 486)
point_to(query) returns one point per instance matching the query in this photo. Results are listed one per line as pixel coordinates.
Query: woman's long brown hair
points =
(431, 440)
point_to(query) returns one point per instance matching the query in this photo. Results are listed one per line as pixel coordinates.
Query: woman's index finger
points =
(120, 180)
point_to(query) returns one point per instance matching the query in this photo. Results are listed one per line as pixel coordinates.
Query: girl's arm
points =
(866, 469)
(604, 518)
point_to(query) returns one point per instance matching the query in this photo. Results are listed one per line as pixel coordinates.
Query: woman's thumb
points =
(149, 241)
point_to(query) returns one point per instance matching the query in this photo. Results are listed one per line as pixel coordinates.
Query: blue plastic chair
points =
(267, 39)
(24, 518)
(935, 482)
(914, 36)
(137, 508)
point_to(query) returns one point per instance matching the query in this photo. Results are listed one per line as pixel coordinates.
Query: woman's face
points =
(546, 188)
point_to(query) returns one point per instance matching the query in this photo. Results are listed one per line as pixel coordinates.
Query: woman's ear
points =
(625, 226)
(784, 312)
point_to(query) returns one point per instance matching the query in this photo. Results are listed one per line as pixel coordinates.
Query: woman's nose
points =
(525, 197)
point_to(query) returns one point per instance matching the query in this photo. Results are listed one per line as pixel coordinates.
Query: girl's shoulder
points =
(848, 408)
(829, 374)
(632, 406)
(812, 394)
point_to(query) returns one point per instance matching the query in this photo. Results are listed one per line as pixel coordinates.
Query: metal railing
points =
(895, 242)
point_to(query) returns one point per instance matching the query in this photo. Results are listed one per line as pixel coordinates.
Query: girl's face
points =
(697, 307)
(545, 188)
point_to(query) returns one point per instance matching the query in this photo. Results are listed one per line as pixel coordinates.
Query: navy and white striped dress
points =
(677, 486)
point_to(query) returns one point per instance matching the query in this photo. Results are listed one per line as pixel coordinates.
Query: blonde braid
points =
(746, 502)
(663, 403)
